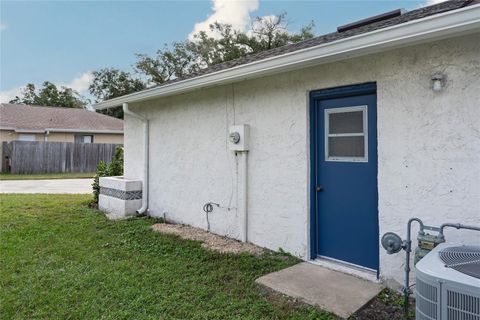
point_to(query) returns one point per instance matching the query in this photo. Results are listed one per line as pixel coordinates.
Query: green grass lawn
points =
(79, 175)
(60, 259)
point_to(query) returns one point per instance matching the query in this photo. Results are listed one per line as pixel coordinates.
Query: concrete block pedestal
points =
(119, 197)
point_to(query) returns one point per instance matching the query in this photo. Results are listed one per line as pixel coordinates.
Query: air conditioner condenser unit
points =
(448, 283)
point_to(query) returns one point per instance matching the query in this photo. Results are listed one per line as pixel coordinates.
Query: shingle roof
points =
(330, 37)
(26, 117)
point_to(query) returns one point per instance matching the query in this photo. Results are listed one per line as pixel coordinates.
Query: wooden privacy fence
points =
(25, 157)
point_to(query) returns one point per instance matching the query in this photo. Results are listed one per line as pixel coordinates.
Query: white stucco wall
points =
(428, 147)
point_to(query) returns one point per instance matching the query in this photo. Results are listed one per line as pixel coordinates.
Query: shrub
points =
(114, 168)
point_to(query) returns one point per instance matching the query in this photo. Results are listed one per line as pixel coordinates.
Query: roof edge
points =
(438, 26)
(85, 130)
(20, 130)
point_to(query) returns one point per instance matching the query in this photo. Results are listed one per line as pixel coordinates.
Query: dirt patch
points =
(386, 305)
(289, 304)
(210, 241)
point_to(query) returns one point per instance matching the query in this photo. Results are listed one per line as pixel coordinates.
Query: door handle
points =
(318, 188)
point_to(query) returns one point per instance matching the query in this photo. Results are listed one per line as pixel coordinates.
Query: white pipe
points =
(244, 203)
(144, 207)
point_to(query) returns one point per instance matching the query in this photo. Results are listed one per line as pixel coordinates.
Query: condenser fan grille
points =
(465, 259)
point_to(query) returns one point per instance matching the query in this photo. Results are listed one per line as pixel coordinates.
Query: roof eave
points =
(29, 130)
(443, 25)
(79, 130)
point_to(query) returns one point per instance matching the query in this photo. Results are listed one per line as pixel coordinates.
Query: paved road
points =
(46, 186)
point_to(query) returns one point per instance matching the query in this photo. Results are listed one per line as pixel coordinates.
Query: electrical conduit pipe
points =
(244, 203)
(144, 207)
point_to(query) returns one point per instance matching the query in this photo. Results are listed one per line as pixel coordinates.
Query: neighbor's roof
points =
(26, 118)
(418, 25)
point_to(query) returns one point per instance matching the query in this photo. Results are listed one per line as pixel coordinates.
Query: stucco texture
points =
(428, 147)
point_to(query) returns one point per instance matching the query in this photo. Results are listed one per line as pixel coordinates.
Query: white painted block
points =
(119, 198)
(120, 183)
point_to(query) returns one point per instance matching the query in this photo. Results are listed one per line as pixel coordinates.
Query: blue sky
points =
(63, 41)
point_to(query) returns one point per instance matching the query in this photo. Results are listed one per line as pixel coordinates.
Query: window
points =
(87, 139)
(346, 134)
(80, 138)
(26, 137)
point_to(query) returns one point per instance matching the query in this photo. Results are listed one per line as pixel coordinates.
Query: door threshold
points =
(357, 271)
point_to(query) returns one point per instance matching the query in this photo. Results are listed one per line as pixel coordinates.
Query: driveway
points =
(47, 186)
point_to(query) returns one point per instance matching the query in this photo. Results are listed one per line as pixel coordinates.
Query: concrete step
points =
(330, 290)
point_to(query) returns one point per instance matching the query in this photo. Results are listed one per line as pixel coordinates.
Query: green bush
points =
(114, 168)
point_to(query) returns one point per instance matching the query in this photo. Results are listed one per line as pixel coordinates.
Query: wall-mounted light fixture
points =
(438, 82)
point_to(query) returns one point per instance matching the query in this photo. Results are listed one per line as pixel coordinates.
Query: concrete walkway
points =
(47, 186)
(330, 290)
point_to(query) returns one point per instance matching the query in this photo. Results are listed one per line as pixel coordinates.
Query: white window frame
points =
(26, 137)
(364, 134)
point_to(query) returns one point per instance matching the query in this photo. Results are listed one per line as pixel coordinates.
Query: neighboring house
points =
(351, 134)
(35, 123)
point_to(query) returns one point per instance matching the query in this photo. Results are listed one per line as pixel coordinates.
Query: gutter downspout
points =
(144, 207)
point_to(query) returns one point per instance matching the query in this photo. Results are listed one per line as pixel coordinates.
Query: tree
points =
(187, 57)
(226, 46)
(50, 95)
(109, 83)
(272, 32)
(176, 62)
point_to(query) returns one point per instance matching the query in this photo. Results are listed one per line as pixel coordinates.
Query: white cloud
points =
(79, 84)
(234, 12)
(7, 95)
(3, 26)
(431, 2)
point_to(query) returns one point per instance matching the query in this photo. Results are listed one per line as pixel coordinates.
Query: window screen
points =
(346, 134)
(346, 122)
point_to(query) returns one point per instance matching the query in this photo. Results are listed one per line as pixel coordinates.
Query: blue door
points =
(344, 175)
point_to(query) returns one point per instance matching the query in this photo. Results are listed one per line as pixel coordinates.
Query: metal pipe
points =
(456, 226)
(407, 246)
(408, 249)
(126, 110)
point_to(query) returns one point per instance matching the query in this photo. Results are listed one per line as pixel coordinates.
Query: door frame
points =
(314, 97)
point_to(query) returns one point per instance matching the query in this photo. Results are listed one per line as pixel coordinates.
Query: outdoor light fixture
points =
(438, 81)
